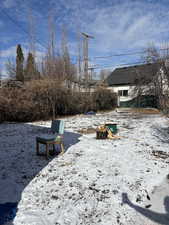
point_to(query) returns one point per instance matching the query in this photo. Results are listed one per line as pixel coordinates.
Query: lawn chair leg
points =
(62, 148)
(37, 148)
(47, 151)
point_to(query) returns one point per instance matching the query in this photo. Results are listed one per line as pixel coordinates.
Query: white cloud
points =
(11, 51)
(9, 3)
(8, 53)
(117, 26)
(127, 27)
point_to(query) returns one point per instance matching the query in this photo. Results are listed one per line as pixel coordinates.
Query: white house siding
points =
(118, 88)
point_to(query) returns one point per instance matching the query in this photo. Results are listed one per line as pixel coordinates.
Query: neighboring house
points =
(123, 80)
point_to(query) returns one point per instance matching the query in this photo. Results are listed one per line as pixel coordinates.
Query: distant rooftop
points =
(128, 75)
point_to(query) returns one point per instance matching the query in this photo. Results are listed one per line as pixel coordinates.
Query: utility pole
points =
(85, 56)
(79, 57)
(91, 72)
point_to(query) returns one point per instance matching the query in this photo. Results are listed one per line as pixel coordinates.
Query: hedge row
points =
(43, 100)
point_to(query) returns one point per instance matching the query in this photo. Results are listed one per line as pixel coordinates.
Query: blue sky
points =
(118, 26)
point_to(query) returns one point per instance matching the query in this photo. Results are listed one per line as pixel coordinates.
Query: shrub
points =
(44, 99)
(104, 99)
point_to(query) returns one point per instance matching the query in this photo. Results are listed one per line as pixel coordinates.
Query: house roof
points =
(89, 83)
(129, 75)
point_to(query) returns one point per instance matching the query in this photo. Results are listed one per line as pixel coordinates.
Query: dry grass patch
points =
(89, 130)
(145, 111)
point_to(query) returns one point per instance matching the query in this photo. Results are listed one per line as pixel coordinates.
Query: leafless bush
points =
(104, 99)
(44, 99)
(16, 105)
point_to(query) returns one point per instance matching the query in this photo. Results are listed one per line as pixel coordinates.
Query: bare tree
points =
(151, 82)
(48, 91)
(11, 68)
(79, 58)
(32, 36)
(68, 69)
(50, 56)
(151, 54)
(104, 74)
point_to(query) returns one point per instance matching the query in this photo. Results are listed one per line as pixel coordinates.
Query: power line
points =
(124, 63)
(97, 57)
(18, 25)
(123, 54)
(121, 64)
(126, 54)
(25, 31)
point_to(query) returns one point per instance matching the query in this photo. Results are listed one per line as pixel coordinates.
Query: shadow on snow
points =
(19, 162)
(159, 218)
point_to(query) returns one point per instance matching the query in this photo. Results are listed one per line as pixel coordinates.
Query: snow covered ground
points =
(96, 182)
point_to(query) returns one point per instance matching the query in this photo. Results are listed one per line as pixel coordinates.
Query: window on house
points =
(123, 92)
